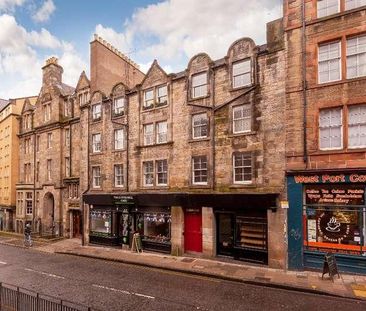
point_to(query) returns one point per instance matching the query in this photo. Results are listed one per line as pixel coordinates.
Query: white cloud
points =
(44, 12)
(178, 29)
(21, 63)
(9, 5)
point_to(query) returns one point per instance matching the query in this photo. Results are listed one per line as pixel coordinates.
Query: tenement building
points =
(193, 161)
(48, 194)
(326, 132)
(9, 152)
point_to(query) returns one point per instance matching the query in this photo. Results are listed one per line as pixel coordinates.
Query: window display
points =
(154, 226)
(251, 233)
(100, 222)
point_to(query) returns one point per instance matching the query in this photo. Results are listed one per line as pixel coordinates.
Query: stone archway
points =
(48, 214)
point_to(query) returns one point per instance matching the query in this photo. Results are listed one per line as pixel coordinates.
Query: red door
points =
(193, 231)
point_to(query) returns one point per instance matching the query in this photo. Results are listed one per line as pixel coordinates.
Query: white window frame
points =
(353, 4)
(161, 170)
(118, 175)
(47, 112)
(67, 108)
(329, 61)
(358, 124)
(29, 203)
(97, 178)
(149, 101)
(198, 124)
(242, 118)
(119, 105)
(162, 99)
(96, 144)
(241, 74)
(200, 169)
(97, 112)
(148, 136)
(341, 129)
(161, 137)
(199, 87)
(147, 173)
(327, 8)
(243, 167)
(356, 55)
(119, 141)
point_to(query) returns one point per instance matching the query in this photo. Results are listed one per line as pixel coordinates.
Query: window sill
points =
(197, 140)
(233, 135)
(194, 186)
(334, 83)
(192, 99)
(116, 189)
(242, 186)
(338, 14)
(96, 121)
(156, 187)
(154, 107)
(118, 150)
(337, 151)
(241, 88)
(155, 145)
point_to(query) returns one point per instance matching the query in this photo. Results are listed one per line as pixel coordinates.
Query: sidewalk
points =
(351, 286)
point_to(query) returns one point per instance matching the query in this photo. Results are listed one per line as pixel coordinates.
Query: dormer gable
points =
(154, 76)
(83, 82)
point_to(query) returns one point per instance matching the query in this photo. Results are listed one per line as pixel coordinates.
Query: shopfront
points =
(327, 214)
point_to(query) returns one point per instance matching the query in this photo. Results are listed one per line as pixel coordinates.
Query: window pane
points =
(199, 79)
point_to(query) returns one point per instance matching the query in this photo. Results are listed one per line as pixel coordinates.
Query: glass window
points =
(199, 125)
(242, 119)
(96, 176)
(329, 62)
(67, 108)
(149, 98)
(96, 112)
(148, 173)
(357, 126)
(161, 132)
(49, 140)
(96, 141)
(29, 203)
(119, 106)
(162, 172)
(49, 169)
(199, 85)
(199, 170)
(118, 175)
(242, 164)
(352, 4)
(162, 95)
(148, 134)
(67, 167)
(47, 112)
(327, 7)
(154, 226)
(330, 128)
(118, 139)
(67, 137)
(100, 221)
(242, 73)
(356, 57)
(251, 232)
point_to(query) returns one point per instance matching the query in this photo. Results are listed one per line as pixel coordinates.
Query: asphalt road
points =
(115, 286)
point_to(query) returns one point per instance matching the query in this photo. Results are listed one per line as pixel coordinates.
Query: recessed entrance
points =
(48, 215)
(76, 224)
(193, 230)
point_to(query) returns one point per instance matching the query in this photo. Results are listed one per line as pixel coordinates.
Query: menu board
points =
(335, 194)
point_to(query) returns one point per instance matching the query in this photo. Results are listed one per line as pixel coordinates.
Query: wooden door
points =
(76, 224)
(193, 231)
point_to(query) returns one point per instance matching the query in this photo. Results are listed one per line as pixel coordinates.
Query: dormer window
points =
(162, 95)
(83, 98)
(119, 106)
(199, 85)
(242, 73)
(149, 98)
(27, 122)
(47, 112)
(67, 108)
(97, 112)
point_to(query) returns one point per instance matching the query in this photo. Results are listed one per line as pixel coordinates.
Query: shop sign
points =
(341, 195)
(284, 204)
(326, 178)
(123, 199)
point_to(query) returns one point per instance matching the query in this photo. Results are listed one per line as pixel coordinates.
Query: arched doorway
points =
(48, 215)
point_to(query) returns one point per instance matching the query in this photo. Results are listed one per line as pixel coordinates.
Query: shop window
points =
(100, 222)
(97, 112)
(29, 203)
(329, 62)
(352, 4)
(155, 227)
(148, 134)
(356, 57)
(162, 172)
(118, 175)
(119, 139)
(199, 170)
(199, 126)
(96, 176)
(242, 73)
(96, 143)
(242, 168)
(330, 129)
(357, 126)
(162, 95)
(251, 233)
(242, 119)
(161, 132)
(335, 219)
(148, 173)
(199, 85)
(327, 7)
(119, 106)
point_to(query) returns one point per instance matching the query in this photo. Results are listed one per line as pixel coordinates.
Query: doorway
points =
(76, 224)
(193, 230)
(225, 234)
(48, 219)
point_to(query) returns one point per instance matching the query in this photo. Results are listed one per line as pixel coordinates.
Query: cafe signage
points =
(330, 178)
(123, 199)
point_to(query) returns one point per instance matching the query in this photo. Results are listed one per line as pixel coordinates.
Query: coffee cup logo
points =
(333, 225)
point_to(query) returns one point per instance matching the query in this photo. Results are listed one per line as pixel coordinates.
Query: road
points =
(113, 286)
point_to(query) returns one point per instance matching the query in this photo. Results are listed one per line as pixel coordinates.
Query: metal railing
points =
(13, 298)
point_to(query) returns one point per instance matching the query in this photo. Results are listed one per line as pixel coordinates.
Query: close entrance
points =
(193, 230)
(76, 224)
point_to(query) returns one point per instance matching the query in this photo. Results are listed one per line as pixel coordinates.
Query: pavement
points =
(348, 286)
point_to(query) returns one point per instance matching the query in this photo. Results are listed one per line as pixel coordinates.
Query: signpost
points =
(330, 266)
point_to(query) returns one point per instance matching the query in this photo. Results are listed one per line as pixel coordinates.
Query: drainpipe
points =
(304, 84)
(213, 141)
(34, 173)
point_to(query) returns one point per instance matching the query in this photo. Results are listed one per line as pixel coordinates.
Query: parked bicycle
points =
(27, 236)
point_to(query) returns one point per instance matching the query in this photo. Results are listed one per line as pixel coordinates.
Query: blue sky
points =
(170, 31)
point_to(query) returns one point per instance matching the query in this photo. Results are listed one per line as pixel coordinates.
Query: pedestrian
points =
(27, 236)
